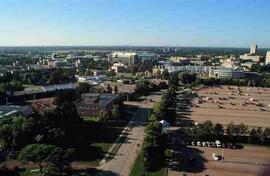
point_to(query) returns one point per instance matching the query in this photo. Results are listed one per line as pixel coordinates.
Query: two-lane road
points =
(127, 153)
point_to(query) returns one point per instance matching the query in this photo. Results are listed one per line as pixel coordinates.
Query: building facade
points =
(222, 72)
(91, 104)
(267, 58)
(127, 58)
(253, 49)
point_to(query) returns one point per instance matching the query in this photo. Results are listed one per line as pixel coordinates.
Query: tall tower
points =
(253, 49)
(267, 58)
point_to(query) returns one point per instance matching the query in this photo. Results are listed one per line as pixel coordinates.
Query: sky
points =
(205, 23)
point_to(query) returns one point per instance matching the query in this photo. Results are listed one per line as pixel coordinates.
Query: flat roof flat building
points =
(91, 104)
(223, 72)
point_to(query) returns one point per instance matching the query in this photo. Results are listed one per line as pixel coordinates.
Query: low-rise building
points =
(147, 56)
(131, 58)
(57, 63)
(229, 62)
(92, 80)
(247, 65)
(119, 67)
(127, 58)
(251, 57)
(42, 105)
(99, 72)
(12, 110)
(223, 72)
(44, 89)
(91, 104)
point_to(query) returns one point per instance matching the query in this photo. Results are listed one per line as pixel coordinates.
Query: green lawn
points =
(98, 140)
(137, 169)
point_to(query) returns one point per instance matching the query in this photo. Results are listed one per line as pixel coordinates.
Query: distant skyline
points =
(197, 23)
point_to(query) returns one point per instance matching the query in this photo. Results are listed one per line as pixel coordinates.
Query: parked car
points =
(193, 143)
(203, 144)
(213, 144)
(215, 156)
(218, 144)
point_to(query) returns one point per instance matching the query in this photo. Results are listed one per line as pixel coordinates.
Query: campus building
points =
(251, 56)
(131, 58)
(119, 67)
(127, 58)
(223, 72)
(253, 49)
(91, 104)
(267, 58)
(11, 110)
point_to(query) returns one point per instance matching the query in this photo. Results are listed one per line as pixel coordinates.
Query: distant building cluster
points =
(131, 58)
(252, 55)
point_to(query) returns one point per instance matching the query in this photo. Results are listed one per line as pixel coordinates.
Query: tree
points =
(88, 72)
(187, 78)
(253, 136)
(38, 153)
(4, 171)
(83, 87)
(266, 135)
(16, 131)
(218, 130)
(153, 146)
(103, 116)
(115, 89)
(230, 129)
(242, 129)
(109, 89)
(165, 74)
(59, 160)
(115, 112)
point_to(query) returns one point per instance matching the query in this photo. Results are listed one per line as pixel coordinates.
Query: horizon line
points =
(155, 46)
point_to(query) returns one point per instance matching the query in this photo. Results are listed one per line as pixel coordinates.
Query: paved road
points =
(127, 153)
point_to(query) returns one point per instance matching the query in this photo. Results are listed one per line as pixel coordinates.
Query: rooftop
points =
(11, 109)
(98, 99)
(43, 104)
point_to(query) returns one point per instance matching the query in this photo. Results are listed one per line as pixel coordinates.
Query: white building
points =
(188, 68)
(267, 58)
(92, 80)
(251, 55)
(247, 65)
(127, 58)
(229, 62)
(131, 58)
(119, 67)
(253, 49)
(254, 58)
(222, 72)
(146, 56)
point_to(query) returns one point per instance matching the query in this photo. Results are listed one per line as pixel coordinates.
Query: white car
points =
(215, 156)
(218, 144)
(198, 143)
(203, 144)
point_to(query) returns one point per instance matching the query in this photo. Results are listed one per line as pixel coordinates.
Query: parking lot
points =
(198, 161)
(227, 104)
(223, 104)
